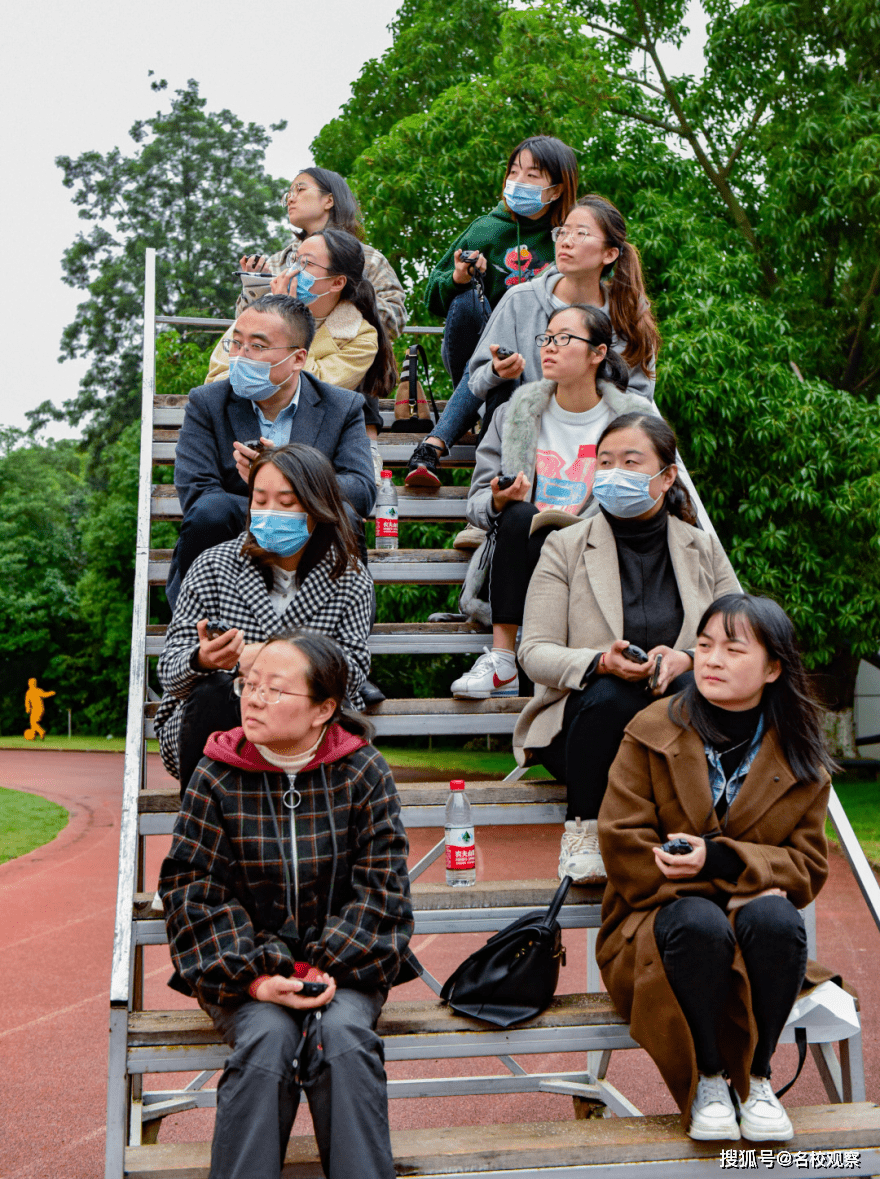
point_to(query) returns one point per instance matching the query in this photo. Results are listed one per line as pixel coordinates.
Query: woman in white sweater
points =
(544, 441)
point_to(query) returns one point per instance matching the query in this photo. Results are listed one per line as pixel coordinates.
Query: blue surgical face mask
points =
(625, 494)
(250, 378)
(525, 199)
(304, 284)
(284, 533)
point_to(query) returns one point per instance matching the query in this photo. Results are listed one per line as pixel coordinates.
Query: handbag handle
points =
(412, 362)
(556, 903)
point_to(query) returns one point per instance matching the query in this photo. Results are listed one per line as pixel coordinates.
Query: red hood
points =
(234, 750)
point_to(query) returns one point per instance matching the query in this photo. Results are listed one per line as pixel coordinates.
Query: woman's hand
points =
(613, 663)
(461, 272)
(285, 991)
(284, 284)
(518, 490)
(243, 456)
(222, 653)
(256, 262)
(510, 367)
(674, 663)
(681, 867)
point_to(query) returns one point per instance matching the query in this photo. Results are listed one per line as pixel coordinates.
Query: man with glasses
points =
(268, 400)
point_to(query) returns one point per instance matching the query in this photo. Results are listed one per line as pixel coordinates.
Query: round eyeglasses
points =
(295, 190)
(245, 688)
(561, 234)
(561, 340)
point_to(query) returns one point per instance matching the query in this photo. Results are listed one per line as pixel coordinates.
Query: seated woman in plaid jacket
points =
(287, 876)
(296, 565)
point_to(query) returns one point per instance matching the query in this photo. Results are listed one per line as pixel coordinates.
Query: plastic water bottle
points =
(461, 852)
(386, 514)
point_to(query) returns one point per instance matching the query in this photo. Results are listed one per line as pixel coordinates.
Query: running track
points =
(56, 936)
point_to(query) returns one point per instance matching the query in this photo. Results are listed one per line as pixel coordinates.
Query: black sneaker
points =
(423, 466)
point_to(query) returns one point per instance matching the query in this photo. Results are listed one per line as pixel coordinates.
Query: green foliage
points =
(42, 501)
(195, 188)
(27, 821)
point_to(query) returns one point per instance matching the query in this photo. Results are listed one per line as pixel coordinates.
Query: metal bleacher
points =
(144, 1041)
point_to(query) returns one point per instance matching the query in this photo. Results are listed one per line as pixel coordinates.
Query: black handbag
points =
(514, 976)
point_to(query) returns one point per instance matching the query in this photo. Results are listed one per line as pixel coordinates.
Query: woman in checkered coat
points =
(297, 565)
(287, 903)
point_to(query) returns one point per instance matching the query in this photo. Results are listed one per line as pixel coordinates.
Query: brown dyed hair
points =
(628, 307)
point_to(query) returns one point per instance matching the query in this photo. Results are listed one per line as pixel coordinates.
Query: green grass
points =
(74, 744)
(861, 801)
(449, 762)
(27, 821)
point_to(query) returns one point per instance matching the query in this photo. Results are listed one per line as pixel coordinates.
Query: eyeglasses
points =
(235, 346)
(245, 688)
(300, 262)
(562, 234)
(295, 190)
(561, 340)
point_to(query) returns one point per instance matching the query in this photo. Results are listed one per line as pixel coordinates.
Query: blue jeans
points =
(464, 326)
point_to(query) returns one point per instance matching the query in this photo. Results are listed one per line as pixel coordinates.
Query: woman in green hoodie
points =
(509, 246)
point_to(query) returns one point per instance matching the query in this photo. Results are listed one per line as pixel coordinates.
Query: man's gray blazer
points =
(327, 417)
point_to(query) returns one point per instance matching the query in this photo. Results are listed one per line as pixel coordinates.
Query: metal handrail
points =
(122, 969)
(215, 324)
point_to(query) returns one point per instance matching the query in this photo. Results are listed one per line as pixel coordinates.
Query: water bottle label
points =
(386, 524)
(460, 849)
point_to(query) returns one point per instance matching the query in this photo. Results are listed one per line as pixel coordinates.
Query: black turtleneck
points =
(652, 609)
(737, 729)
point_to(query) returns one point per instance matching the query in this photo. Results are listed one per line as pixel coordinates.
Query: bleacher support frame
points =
(135, 926)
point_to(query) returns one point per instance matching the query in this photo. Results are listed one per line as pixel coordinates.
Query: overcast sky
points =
(74, 79)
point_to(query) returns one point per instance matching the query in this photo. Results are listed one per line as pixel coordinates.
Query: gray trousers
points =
(336, 1055)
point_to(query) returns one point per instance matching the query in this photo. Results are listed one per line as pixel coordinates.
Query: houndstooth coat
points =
(223, 584)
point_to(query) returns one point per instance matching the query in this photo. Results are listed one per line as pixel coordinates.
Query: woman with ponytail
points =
(595, 265)
(611, 620)
(544, 441)
(321, 199)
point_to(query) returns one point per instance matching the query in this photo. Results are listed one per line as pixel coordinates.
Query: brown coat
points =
(574, 611)
(659, 783)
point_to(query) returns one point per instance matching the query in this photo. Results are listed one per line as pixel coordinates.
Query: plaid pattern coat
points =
(390, 298)
(221, 583)
(223, 882)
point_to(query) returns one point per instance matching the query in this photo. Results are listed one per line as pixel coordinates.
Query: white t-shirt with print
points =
(566, 457)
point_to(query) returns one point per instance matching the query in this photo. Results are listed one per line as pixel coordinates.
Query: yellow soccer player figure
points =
(34, 707)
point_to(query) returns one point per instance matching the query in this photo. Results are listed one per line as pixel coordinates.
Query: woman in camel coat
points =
(752, 808)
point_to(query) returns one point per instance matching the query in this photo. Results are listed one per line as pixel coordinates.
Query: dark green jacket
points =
(515, 248)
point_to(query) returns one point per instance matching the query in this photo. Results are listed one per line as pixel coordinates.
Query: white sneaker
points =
(761, 1116)
(483, 680)
(579, 855)
(712, 1113)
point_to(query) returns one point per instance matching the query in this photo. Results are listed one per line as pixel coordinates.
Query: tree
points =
(196, 189)
(753, 195)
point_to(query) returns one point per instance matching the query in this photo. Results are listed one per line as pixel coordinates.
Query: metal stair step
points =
(446, 503)
(415, 566)
(554, 1150)
(494, 804)
(394, 638)
(395, 449)
(168, 411)
(421, 716)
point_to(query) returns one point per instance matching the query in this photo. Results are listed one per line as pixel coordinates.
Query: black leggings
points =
(592, 728)
(513, 562)
(212, 706)
(697, 944)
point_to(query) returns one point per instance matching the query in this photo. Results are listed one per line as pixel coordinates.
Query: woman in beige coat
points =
(638, 572)
(705, 952)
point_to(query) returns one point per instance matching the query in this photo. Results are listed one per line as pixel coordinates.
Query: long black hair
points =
(597, 325)
(662, 438)
(345, 212)
(347, 259)
(326, 676)
(559, 162)
(788, 703)
(314, 483)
